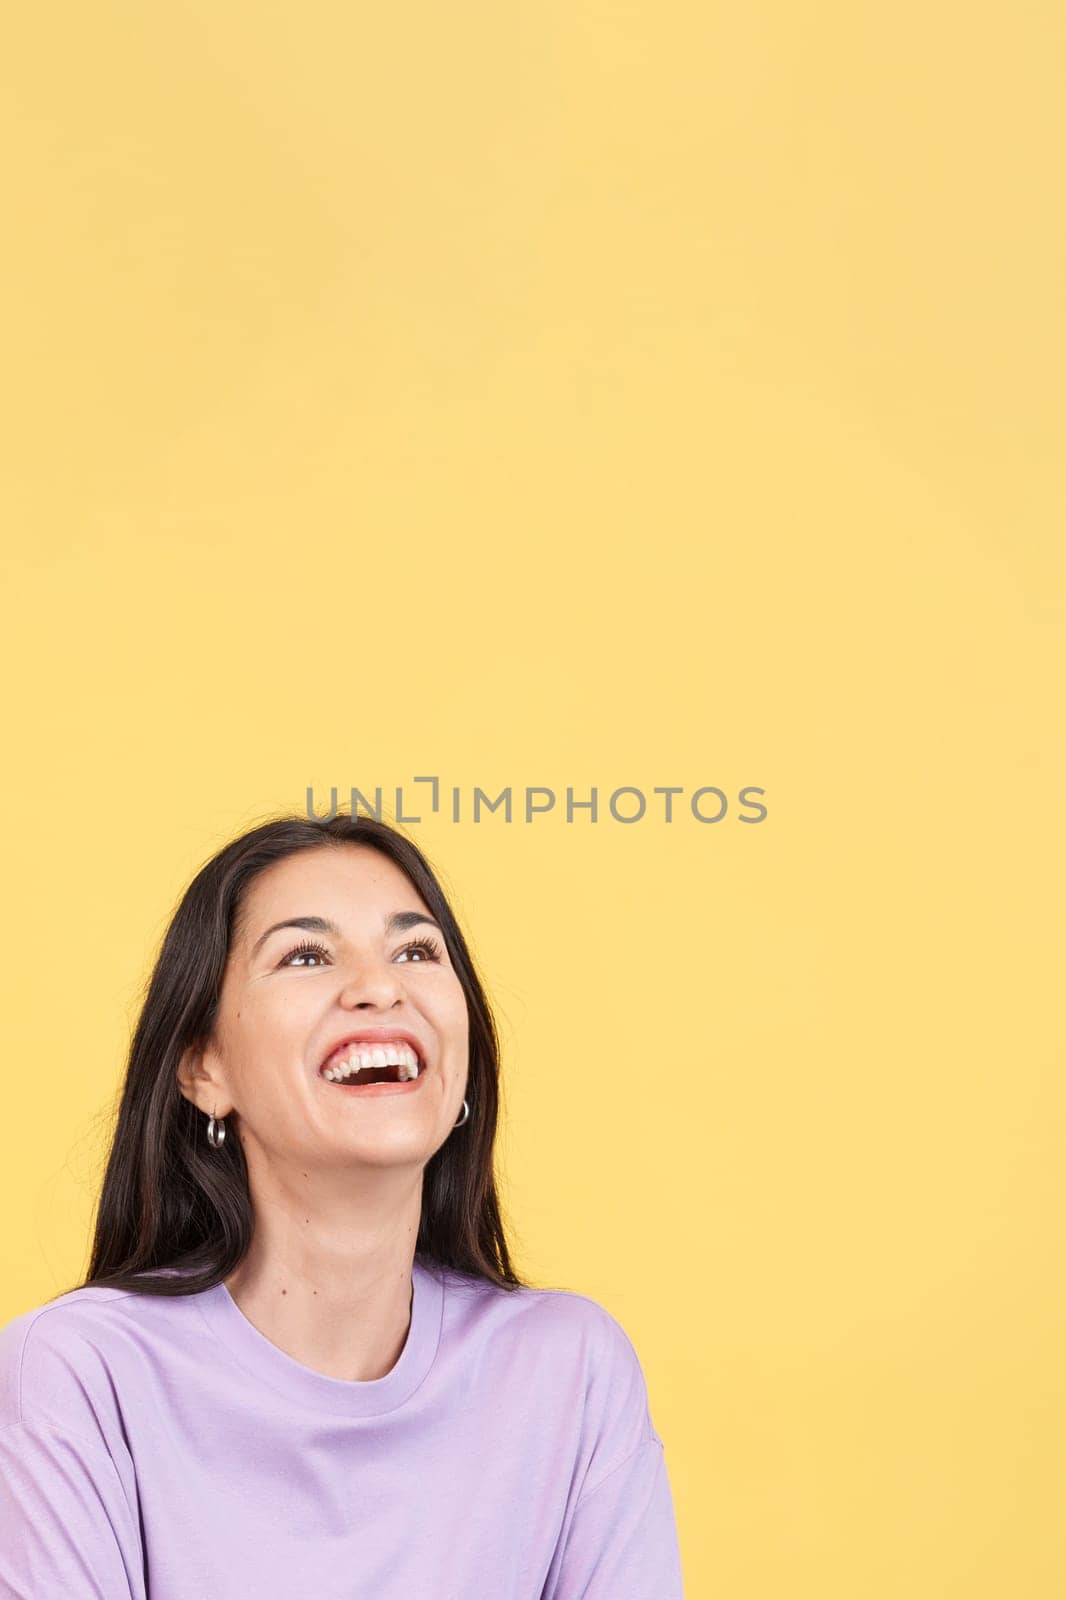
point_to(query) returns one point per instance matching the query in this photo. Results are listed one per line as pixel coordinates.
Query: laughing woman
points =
(301, 1362)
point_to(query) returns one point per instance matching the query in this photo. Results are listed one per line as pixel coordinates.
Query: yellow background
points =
(593, 395)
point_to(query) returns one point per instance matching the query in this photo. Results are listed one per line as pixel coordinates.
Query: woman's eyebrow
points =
(396, 923)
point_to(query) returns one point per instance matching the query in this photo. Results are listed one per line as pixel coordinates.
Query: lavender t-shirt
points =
(159, 1448)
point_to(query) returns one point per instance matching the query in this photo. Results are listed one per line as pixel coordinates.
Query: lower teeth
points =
(364, 1081)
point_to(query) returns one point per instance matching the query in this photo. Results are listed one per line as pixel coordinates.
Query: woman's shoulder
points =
(573, 1343)
(57, 1359)
(572, 1325)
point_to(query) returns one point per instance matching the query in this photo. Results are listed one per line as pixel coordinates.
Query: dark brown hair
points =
(174, 1215)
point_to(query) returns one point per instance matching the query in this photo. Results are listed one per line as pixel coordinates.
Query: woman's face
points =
(290, 995)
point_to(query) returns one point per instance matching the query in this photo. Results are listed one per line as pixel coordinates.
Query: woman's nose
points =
(370, 982)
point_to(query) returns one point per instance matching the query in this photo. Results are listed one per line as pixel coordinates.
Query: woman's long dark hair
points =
(174, 1215)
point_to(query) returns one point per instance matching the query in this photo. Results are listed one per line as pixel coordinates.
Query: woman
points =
(301, 1363)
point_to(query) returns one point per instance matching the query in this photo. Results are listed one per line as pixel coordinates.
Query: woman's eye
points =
(309, 949)
(428, 948)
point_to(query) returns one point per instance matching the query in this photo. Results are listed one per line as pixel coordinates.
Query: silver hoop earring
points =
(464, 1118)
(216, 1132)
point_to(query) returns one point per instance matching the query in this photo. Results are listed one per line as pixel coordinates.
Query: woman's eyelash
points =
(429, 947)
(307, 949)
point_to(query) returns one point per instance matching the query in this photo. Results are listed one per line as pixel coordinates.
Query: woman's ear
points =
(202, 1081)
(190, 1074)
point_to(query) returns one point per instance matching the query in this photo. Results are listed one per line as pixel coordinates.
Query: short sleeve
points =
(619, 1541)
(622, 1542)
(69, 1518)
(66, 1527)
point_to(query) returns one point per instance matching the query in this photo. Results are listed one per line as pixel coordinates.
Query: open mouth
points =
(391, 1066)
(366, 1062)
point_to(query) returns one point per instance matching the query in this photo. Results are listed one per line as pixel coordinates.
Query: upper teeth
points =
(377, 1055)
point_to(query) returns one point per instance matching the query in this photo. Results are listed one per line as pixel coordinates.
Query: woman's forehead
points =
(343, 884)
